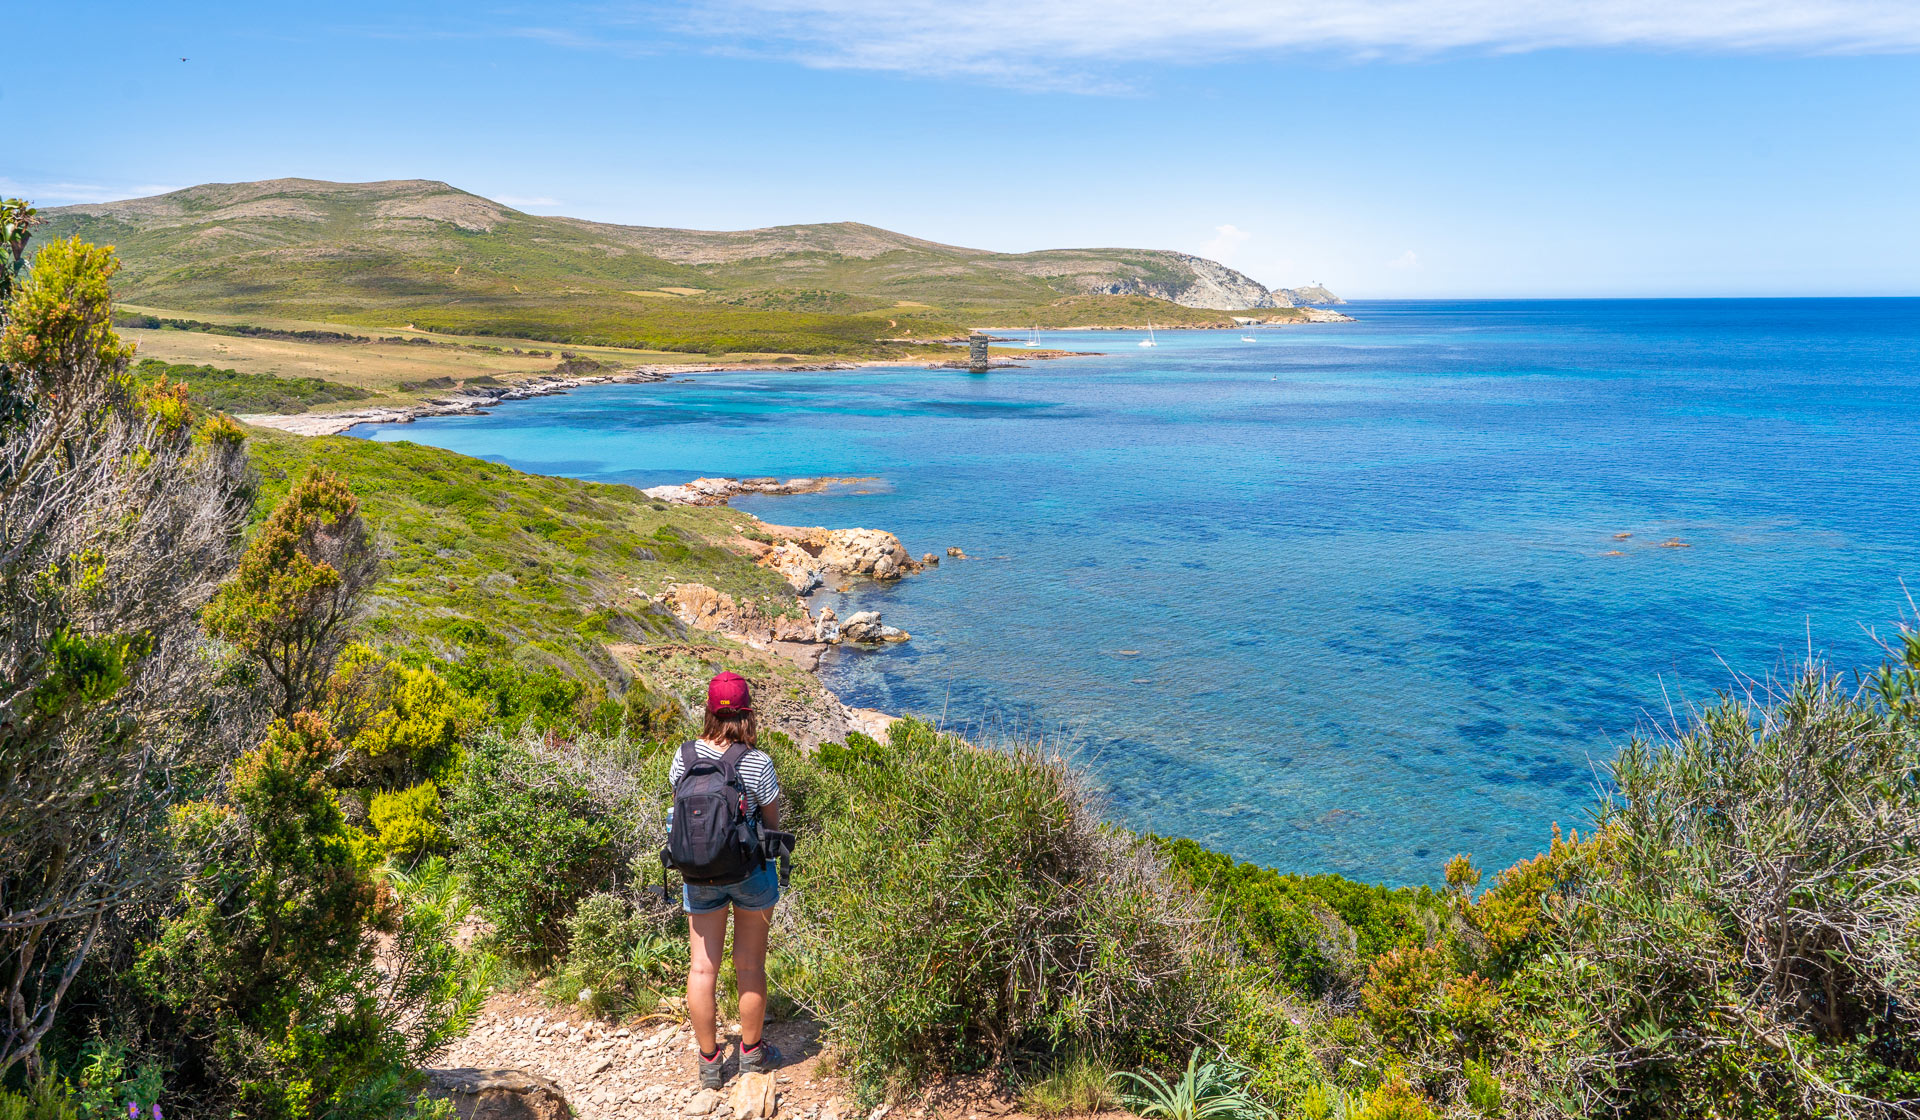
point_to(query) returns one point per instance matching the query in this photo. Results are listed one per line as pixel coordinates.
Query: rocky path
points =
(636, 1071)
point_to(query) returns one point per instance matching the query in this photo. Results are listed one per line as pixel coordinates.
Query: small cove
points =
(1339, 599)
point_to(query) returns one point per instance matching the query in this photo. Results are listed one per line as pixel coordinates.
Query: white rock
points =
(703, 1102)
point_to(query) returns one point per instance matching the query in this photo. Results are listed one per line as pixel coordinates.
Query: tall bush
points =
(271, 969)
(118, 515)
(538, 824)
(1750, 930)
(299, 581)
(962, 903)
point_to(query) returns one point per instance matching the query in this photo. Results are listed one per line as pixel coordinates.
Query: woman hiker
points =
(729, 722)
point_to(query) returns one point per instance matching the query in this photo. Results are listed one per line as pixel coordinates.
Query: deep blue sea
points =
(1349, 597)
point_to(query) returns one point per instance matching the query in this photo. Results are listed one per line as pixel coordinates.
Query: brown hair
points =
(730, 725)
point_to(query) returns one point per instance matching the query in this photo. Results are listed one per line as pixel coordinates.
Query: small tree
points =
(297, 588)
(118, 515)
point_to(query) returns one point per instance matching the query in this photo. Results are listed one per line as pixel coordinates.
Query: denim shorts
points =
(758, 891)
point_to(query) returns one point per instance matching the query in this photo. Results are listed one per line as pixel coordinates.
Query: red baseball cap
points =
(728, 692)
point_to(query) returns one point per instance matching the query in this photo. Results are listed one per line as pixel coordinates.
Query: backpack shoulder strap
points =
(730, 761)
(689, 756)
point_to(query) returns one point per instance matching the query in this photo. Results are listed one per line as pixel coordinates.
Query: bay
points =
(1351, 597)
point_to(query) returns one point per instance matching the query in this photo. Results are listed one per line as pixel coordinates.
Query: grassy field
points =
(401, 373)
(513, 573)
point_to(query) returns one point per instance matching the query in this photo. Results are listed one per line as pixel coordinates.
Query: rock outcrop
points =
(717, 612)
(716, 491)
(498, 1094)
(804, 573)
(865, 627)
(873, 553)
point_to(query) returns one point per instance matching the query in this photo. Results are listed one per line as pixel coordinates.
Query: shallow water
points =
(1337, 599)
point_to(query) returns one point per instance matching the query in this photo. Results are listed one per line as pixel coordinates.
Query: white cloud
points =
(1406, 260)
(44, 193)
(1064, 40)
(1225, 244)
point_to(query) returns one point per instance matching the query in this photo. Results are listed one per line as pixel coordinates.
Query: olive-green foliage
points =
(402, 725)
(226, 390)
(959, 903)
(1746, 926)
(410, 822)
(46, 1099)
(1317, 932)
(291, 603)
(539, 826)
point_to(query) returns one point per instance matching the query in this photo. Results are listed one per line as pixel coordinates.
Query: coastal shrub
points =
(960, 903)
(1403, 986)
(1746, 927)
(269, 970)
(290, 604)
(410, 822)
(402, 725)
(1317, 932)
(114, 531)
(538, 824)
(624, 960)
(46, 1099)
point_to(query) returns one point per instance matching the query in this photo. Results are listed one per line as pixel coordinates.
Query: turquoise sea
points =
(1341, 598)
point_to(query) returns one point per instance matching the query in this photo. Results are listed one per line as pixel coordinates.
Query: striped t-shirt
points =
(756, 772)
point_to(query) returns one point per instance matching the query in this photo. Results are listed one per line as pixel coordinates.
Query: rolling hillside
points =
(424, 253)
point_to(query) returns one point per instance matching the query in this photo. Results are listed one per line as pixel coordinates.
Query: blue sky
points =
(1390, 148)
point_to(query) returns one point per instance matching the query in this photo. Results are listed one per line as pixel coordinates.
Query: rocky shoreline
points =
(475, 400)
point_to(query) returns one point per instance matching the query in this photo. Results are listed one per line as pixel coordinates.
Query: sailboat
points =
(1148, 341)
(1248, 338)
(1033, 339)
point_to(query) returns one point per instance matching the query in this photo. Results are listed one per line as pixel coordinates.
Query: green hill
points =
(420, 252)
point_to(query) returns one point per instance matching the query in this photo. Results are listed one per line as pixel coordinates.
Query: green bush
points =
(225, 390)
(409, 823)
(45, 1099)
(1746, 924)
(1317, 932)
(621, 960)
(270, 969)
(539, 825)
(960, 903)
(402, 724)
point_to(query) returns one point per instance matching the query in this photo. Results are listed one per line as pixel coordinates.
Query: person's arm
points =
(770, 814)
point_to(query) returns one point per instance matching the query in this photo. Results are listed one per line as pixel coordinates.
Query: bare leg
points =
(750, 929)
(708, 936)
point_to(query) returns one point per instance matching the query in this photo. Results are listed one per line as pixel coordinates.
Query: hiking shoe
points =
(760, 1059)
(713, 1071)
